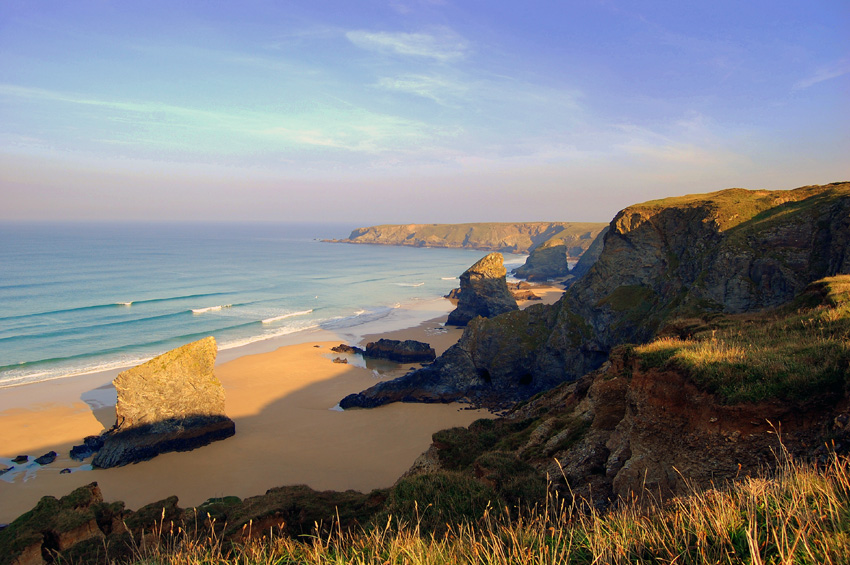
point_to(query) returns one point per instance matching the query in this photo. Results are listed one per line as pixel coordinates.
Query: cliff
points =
(678, 413)
(730, 251)
(502, 237)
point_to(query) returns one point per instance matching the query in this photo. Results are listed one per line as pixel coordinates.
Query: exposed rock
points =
(729, 251)
(340, 360)
(21, 459)
(504, 237)
(454, 294)
(47, 458)
(343, 348)
(173, 402)
(524, 295)
(589, 257)
(90, 445)
(54, 527)
(407, 351)
(483, 292)
(547, 261)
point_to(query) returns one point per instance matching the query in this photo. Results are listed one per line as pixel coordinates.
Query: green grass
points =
(799, 514)
(788, 354)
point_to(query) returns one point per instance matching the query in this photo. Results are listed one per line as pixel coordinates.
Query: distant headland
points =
(520, 237)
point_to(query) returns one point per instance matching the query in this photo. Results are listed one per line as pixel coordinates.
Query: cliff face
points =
(680, 413)
(729, 251)
(502, 237)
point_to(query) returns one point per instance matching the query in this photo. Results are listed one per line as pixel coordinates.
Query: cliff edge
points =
(730, 251)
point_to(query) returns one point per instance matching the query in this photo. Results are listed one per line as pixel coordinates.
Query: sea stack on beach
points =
(173, 402)
(483, 292)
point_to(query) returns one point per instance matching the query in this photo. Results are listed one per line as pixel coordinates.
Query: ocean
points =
(82, 298)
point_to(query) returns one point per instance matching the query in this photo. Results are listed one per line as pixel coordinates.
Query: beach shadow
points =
(102, 401)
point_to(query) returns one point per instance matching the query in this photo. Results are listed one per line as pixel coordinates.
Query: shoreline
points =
(281, 396)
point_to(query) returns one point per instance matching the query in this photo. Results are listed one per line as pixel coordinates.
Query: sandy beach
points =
(287, 430)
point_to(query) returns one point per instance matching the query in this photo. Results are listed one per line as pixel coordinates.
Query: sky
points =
(412, 111)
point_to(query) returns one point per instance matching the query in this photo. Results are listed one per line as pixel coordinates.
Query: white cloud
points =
(442, 45)
(832, 71)
(440, 89)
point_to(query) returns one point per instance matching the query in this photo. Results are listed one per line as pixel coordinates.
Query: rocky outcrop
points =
(407, 351)
(589, 257)
(548, 261)
(173, 402)
(503, 237)
(483, 292)
(725, 252)
(56, 527)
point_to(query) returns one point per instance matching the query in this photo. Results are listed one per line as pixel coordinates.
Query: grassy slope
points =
(794, 353)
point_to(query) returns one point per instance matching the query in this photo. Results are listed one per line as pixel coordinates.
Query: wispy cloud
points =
(329, 124)
(828, 72)
(441, 45)
(440, 89)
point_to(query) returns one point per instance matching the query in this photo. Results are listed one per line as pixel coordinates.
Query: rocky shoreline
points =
(592, 384)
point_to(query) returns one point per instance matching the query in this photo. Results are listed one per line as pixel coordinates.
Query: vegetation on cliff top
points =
(795, 353)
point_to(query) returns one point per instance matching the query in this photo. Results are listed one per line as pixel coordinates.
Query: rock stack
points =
(483, 292)
(173, 402)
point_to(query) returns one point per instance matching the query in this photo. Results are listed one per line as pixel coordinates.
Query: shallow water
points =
(83, 298)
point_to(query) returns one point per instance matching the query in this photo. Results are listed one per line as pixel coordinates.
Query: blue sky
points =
(412, 110)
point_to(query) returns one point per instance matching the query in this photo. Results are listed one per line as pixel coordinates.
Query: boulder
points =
(344, 348)
(47, 458)
(173, 402)
(483, 292)
(90, 445)
(407, 351)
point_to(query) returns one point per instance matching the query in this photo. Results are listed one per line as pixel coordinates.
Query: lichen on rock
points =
(173, 402)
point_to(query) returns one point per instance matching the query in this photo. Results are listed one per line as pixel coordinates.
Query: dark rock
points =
(81, 452)
(47, 458)
(21, 459)
(93, 442)
(340, 360)
(343, 348)
(483, 292)
(407, 351)
(173, 402)
(454, 294)
(90, 445)
(545, 262)
(589, 257)
(6, 470)
(726, 252)
(65, 471)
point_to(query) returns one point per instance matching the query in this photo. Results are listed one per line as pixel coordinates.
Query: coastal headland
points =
(517, 237)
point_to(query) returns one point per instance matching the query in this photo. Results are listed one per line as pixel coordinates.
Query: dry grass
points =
(800, 514)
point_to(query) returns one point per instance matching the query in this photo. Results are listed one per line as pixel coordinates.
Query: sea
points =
(83, 298)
